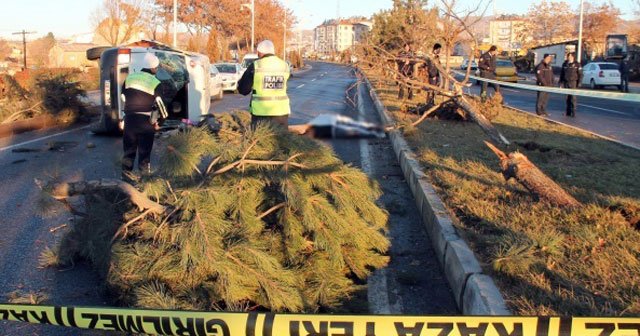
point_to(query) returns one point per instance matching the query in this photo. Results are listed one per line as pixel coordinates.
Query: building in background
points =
(301, 40)
(71, 55)
(504, 31)
(336, 36)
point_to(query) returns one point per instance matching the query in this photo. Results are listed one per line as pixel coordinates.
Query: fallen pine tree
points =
(238, 220)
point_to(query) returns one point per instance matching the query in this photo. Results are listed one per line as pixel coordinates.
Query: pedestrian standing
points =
(141, 90)
(624, 74)
(487, 67)
(544, 77)
(570, 78)
(267, 79)
(406, 63)
(433, 73)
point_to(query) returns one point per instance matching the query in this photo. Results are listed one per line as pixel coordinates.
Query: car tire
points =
(95, 53)
(592, 84)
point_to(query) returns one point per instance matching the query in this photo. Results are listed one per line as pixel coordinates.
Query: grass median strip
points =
(546, 260)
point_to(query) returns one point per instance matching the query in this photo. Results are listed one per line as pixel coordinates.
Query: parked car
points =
(248, 59)
(215, 84)
(505, 71)
(465, 63)
(597, 75)
(290, 69)
(231, 74)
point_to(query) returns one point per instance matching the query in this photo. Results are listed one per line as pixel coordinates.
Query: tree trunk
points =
(481, 120)
(516, 165)
(66, 190)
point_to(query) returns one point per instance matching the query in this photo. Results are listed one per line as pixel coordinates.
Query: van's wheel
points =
(592, 84)
(220, 95)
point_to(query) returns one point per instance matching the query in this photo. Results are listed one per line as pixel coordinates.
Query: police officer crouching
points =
(267, 79)
(570, 78)
(140, 90)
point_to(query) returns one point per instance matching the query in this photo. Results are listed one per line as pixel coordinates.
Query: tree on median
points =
(599, 20)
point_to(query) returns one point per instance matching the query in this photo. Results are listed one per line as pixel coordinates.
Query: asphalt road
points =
(611, 118)
(413, 283)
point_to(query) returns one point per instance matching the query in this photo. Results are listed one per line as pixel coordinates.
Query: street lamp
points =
(175, 24)
(251, 6)
(580, 32)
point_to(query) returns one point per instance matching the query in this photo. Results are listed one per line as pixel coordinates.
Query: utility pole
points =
(579, 58)
(252, 7)
(175, 24)
(24, 45)
(284, 35)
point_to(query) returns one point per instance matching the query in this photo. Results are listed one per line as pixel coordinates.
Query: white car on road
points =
(231, 74)
(600, 74)
(215, 84)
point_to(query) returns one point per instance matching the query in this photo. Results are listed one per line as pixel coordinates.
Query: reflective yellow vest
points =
(142, 81)
(270, 88)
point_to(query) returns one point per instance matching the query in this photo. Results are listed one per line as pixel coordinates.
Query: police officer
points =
(624, 74)
(267, 79)
(487, 67)
(406, 63)
(433, 73)
(140, 91)
(570, 78)
(544, 77)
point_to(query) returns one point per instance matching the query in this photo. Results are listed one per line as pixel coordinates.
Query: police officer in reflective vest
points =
(140, 90)
(267, 79)
(570, 78)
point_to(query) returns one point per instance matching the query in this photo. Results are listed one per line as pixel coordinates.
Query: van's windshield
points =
(226, 68)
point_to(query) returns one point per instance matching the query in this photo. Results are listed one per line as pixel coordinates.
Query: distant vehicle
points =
(617, 47)
(465, 64)
(505, 71)
(248, 59)
(231, 74)
(216, 89)
(290, 68)
(597, 75)
(185, 76)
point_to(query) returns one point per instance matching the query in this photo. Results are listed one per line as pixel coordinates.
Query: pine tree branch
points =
(125, 228)
(61, 191)
(272, 210)
(431, 110)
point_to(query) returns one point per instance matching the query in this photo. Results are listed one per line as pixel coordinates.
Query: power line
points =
(24, 45)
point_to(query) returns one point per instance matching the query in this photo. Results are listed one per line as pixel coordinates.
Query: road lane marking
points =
(313, 80)
(378, 281)
(300, 86)
(604, 109)
(43, 138)
(511, 90)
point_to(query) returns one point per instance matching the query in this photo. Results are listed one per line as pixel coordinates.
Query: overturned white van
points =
(185, 75)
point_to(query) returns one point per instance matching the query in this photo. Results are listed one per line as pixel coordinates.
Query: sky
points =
(68, 17)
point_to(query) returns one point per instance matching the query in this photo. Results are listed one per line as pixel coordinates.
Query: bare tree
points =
(547, 22)
(5, 50)
(454, 25)
(118, 21)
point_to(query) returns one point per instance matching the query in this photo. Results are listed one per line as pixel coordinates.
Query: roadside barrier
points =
(628, 97)
(168, 322)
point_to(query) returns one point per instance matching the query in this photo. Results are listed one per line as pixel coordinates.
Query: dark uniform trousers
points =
(401, 92)
(431, 94)
(138, 138)
(278, 121)
(572, 101)
(541, 103)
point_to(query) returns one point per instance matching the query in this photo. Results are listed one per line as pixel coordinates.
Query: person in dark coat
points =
(406, 63)
(624, 75)
(544, 77)
(432, 72)
(570, 78)
(487, 66)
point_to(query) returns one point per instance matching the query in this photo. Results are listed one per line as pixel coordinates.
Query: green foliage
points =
(409, 21)
(258, 217)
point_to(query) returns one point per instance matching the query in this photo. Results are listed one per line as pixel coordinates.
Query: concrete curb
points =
(475, 293)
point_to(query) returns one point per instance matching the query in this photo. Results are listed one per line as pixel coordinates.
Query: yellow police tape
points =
(164, 322)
